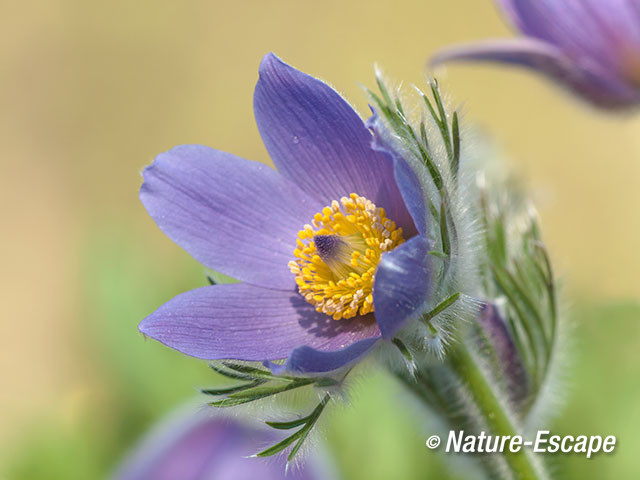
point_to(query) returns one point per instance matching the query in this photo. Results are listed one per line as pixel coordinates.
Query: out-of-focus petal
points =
(402, 285)
(554, 21)
(234, 216)
(587, 79)
(308, 360)
(319, 142)
(601, 37)
(246, 322)
(202, 445)
(592, 28)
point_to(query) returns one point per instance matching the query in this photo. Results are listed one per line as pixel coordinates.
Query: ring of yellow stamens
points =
(337, 278)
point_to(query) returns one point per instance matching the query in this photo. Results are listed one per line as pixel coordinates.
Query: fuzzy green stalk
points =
(494, 411)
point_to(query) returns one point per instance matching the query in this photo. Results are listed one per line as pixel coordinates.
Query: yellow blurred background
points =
(90, 92)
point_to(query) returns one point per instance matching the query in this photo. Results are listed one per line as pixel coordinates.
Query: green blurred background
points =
(92, 91)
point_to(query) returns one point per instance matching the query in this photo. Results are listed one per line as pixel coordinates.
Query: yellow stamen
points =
(337, 256)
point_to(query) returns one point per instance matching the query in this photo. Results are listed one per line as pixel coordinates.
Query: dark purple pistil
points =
(328, 246)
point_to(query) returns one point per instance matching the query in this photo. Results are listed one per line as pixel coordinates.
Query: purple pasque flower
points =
(199, 445)
(590, 46)
(329, 248)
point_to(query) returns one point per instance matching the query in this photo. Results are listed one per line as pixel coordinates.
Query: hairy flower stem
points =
(494, 411)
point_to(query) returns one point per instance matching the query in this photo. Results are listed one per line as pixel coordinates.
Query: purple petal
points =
(589, 81)
(594, 28)
(319, 142)
(198, 445)
(309, 360)
(414, 196)
(246, 322)
(234, 216)
(501, 341)
(402, 285)
(600, 36)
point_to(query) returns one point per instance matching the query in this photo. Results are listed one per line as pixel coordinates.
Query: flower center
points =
(337, 256)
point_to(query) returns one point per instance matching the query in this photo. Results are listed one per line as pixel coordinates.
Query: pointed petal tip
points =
(144, 327)
(271, 62)
(266, 61)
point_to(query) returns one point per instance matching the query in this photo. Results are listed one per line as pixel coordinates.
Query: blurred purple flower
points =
(334, 232)
(201, 446)
(590, 46)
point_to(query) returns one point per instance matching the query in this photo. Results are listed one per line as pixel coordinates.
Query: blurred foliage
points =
(375, 437)
(135, 381)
